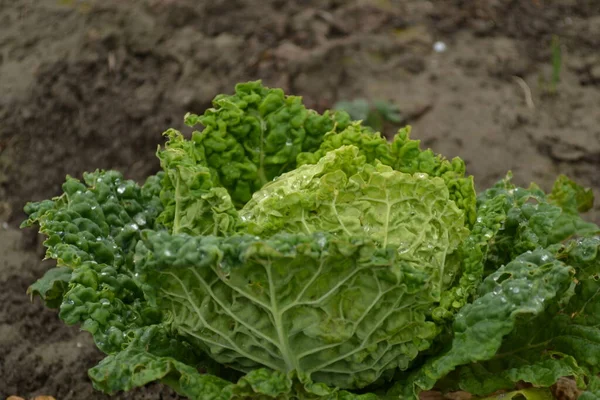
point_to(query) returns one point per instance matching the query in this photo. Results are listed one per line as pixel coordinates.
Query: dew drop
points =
(140, 219)
(321, 241)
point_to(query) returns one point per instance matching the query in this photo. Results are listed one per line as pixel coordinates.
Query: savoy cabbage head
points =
(286, 254)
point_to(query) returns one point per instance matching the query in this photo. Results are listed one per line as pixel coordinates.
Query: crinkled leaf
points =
(108, 303)
(541, 347)
(508, 369)
(52, 286)
(519, 290)
(370, 144)
(263, 384)
(533, 221)
(361, 264)
(347, 197)
(192, 203)
(578, 320)
(471, 256)
(255, 135)
(338, 311)
(92, 229)
(570, 196)
(151, 355)
(593, 390)
(511, 221)
(404, 155)
(410, 158)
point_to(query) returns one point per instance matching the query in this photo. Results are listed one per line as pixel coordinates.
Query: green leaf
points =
(578, 321)
(370, 144)
(520, 290)
(562, 340)
(336, 311)
(283, 254)
(571, 197)
(347, 197)
(52, 286)
(593, 390)
(192, 203)
(506, 370)
(151, 355)
(388, 111)
(373, 115)
(532, 221)
(92, 231)
(510, 221)
(138, 364)
(472, 254)
(265, 384)
(358, 109)
(403, 155)
(255, 135)
(410, 158)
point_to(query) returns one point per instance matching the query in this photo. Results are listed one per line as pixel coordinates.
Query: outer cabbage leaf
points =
(92, 230)
(578, 320)
(535, 220)
(192, 203)
(561, 341)
(571, 197)
(342, 312)
(511, 221)
(520, 290)
(593, 390)
(255, 135)
(472, 254)
(506, 370)
(52, 286)
(152, 356)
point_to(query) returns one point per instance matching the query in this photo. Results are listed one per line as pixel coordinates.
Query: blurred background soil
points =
(93, 84)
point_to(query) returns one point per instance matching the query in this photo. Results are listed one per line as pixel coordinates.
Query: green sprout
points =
(551, 87)
(373, 114)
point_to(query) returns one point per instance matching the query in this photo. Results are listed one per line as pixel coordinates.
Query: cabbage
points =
(286, 254)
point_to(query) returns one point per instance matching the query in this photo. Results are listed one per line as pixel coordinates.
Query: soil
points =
(93, 84)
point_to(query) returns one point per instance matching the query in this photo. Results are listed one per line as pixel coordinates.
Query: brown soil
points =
(93, 84)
